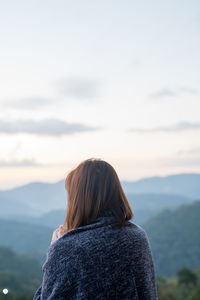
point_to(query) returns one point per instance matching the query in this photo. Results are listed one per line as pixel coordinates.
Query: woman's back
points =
(99, 261)
(102, 255)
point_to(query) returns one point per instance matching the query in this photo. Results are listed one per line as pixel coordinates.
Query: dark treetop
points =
(99, 261)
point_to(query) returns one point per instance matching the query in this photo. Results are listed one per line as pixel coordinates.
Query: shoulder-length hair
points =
(94, 187)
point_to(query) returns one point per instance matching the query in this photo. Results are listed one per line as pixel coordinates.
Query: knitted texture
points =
(99, 261)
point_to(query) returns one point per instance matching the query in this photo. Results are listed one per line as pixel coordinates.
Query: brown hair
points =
(93, 187)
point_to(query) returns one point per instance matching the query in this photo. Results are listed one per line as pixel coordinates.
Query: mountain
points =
(145, 195)
(20, 264)
(173, 234)
(35, 199)
(25, 238)
(187, 185)
(175, 239)
(143, 206)
(50, 219)
(20, 274)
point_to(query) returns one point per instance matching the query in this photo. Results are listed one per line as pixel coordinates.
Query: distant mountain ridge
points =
(187, 185)
(35, 198)
(147, 196)
(143, 206)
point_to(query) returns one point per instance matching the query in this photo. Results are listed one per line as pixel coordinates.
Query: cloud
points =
(15, 150)
(19, 163)
(71, 88)
(79, 88)
(28, 103)
(68, 88)
(163, 93)
(187, 90)
(182, 162)
(171, 93)
(182, 126)
(51, 127)
(192, 151)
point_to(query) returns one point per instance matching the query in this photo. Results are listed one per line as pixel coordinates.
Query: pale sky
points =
(117, 80)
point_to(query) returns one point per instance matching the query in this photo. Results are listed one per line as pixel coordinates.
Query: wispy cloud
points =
(79, 88)
(163, 93)
(191, 151)
(51, 127)
(28, 103)
(187, 90)
(19, 163)
(68, 88)
(182, 126)
(181, 162)
(173, 92)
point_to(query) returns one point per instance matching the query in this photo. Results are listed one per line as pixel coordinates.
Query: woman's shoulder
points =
(60, 252)
(137, 229)
(60, 245)
(72, 242)
(69, 248)
(137, 232)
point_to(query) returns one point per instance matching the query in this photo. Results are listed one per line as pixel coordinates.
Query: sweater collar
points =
(106, 213)
(105, 218)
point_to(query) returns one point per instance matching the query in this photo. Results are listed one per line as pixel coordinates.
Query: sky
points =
(109, 79)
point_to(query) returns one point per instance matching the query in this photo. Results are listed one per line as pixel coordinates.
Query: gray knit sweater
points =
(99, 261)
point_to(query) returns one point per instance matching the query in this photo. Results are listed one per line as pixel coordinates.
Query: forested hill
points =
(24, 238)
(175, 239)
(21, 274)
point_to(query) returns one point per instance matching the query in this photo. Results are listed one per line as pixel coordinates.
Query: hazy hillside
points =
(143, 206)
(50, 219)
(20, 264)
(187, 185)
(31, 212)
(19, 273)
(37, 198)
(175, 239)
(25, 238)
